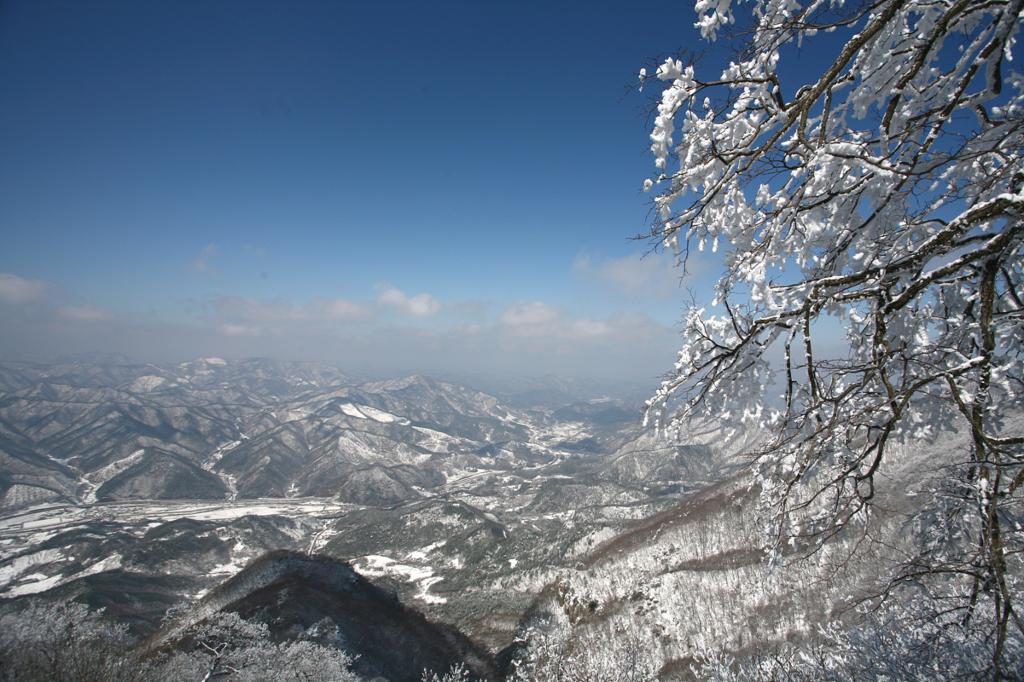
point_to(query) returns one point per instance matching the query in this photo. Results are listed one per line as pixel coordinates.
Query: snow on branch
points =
(886, 192)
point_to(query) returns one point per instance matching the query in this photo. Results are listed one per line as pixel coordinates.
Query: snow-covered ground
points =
(24, 571)
(376, 566)
(59, 516)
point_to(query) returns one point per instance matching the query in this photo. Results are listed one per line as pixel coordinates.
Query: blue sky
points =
(388, 187)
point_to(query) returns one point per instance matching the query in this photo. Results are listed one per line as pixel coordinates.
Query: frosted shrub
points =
(65, 643)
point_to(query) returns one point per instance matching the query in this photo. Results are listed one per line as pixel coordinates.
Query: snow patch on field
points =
(351, 410)
(435, 441)
(421, 554)
(111, 563)
(381, 416)
(560, 431)
(378, 566)
(226, 570)
(22, 563)
(113, 469)
(367, 412)
(38, 583)
(146, 383)
(19, 585)
(424, 593)
(50, 518)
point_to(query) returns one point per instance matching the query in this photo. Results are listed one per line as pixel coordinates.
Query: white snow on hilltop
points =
(367, 412)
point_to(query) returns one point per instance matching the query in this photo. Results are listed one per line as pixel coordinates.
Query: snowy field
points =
(43, 520)
(24, 569)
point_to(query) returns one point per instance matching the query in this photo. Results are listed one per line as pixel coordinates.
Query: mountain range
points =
(134, 487)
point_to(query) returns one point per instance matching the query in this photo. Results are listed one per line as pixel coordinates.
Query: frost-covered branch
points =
(887, 193)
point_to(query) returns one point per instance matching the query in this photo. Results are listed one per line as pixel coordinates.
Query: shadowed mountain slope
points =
(292, 592)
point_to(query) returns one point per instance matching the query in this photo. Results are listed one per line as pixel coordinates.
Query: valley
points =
(136, 487)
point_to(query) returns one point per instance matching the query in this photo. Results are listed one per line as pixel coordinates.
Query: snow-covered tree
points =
(457, 674)
(553, 653)
(886, 191)
(227, 647)
(68, 642)
(223, 645)
(65, 643)
(911, 642)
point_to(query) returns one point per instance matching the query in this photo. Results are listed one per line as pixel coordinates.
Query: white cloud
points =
(254, 310)
(536, 320)
(533, 319)
(587, 329)
(15, 290)
(247, 309)
(530, 314)
(250, 309)
(202, 265)
(238, 330)
(420, 305)
(339, 310)
(84, 313)
(543, 323)
(650, 276)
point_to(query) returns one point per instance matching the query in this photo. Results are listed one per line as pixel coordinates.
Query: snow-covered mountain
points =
(134, 486)
(216, 429)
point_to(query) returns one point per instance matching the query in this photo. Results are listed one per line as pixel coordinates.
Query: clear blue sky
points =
(401, 186)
